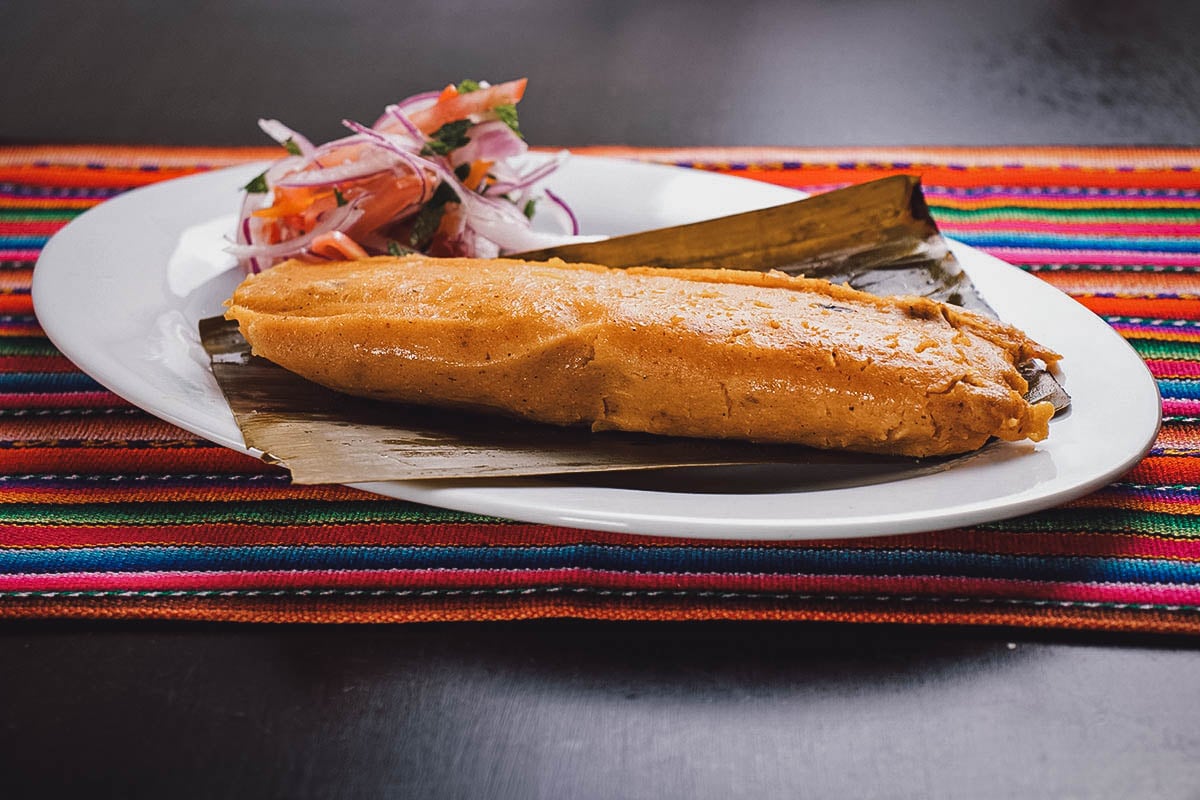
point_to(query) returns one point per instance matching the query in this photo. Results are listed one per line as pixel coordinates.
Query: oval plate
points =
(120, 290)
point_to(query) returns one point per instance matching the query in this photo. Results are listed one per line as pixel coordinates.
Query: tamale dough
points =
(705, 353)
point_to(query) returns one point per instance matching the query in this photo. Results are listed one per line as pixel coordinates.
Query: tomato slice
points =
(337, 245)
(341, 155)
(462, 106)
(382, 198)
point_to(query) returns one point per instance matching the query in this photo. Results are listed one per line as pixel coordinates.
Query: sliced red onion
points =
(417, 163)
(248, 225)
(489, 141)
(499, 209)
(476, 246)
(396, 114)
(337, 144)
(282, 167)
(246, 237)
(514, 238)
(503, 172)
(502, 223)
(282, 133)
(505, 224)
(415, 102)
(562, 204)
(410, 104)
(529, 178)
(332, 220)
(252, 202)
(368, 164)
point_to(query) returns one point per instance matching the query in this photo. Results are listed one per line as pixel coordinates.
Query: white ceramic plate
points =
(120, 290)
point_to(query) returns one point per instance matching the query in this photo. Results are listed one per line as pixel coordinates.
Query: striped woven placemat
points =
(107, 512)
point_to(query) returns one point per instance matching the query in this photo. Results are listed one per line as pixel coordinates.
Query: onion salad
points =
(434, 175)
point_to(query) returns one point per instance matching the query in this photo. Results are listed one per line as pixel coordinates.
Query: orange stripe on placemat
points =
(82, 177)
(1167, 168)
(117, 167)
(16, 280)
(1064, 158)
(21, 330)
(941, 176)
(1144, 283)
(1079, 616)
(1166, 470)
(132, 156)
(16, 304)
(518, 534)
(70, 203)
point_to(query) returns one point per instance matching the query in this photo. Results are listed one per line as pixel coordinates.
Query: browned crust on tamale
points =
(709, 353)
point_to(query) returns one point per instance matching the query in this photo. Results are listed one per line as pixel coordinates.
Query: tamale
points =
(684, 352)
(858, 234)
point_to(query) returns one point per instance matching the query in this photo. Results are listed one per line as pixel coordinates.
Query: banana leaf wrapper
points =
(878, 237)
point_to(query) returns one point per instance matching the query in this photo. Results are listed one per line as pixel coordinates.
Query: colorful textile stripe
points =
(108, 512)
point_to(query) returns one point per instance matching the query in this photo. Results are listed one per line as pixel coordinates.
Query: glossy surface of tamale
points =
(877, 237)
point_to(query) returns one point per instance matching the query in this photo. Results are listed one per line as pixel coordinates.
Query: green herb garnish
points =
(291, 146)
(466, 86)
(426, 222)
(507, 114)
(257, 184)
(530, 205)
(396, 249)
(341, 199)
(442, 195)
(449, 137)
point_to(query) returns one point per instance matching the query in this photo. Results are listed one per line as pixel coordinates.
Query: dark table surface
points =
(574, 709)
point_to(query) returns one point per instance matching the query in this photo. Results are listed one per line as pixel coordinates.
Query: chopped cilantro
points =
(425, 224)
(443, 194)
(450, 136)
(341, 199)
(507, 114)
(258, 184)
(396, 249)
(466, 86)
(530, 205)
(291, 146)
